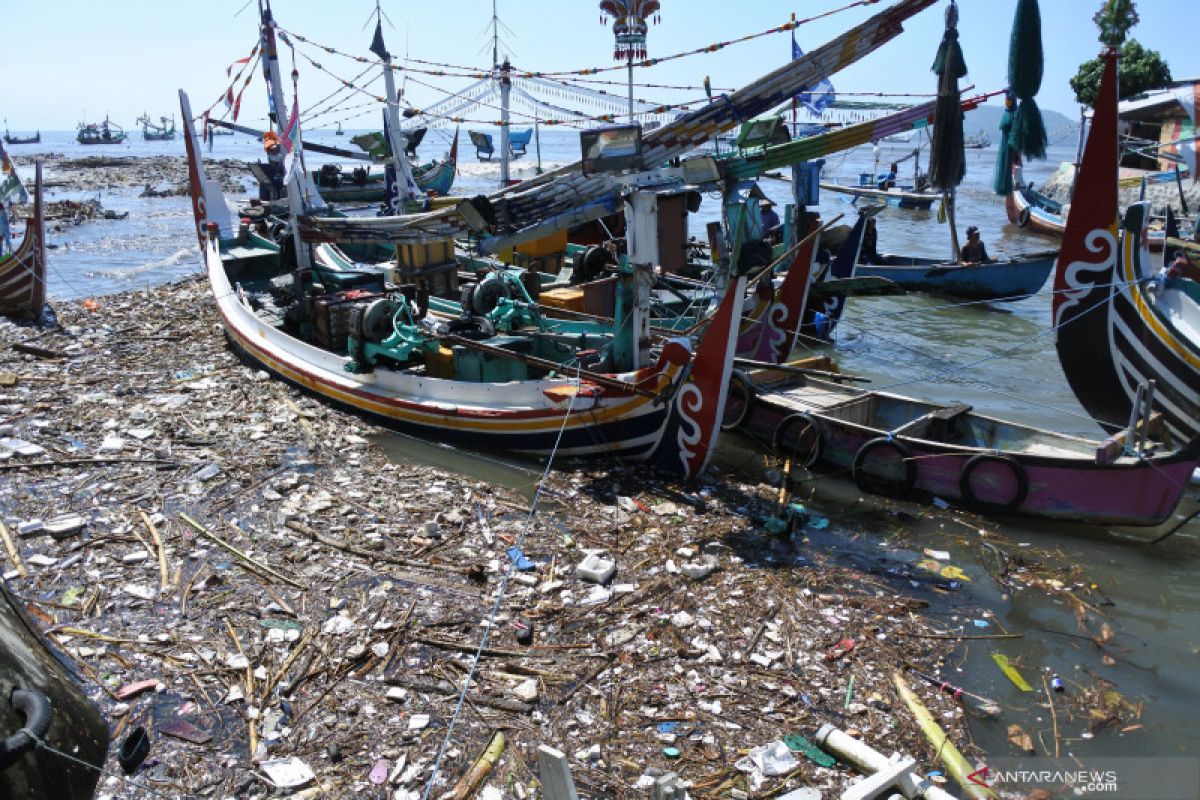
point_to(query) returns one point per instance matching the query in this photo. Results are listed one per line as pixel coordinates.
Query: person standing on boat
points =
(973, 252)
(889, 180)
(770, 219)
(274, 168)
(869, 252)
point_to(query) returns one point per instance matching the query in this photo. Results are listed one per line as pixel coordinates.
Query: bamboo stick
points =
(956, 765)
(164, 576)
(250, 722)
(469, 783)
(13, 554)
(230, 548)
(1053, 714)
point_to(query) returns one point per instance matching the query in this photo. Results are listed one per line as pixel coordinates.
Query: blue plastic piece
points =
(519, 559)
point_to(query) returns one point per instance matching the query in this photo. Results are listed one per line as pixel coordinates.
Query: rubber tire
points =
(776, 438)
(738, 382)
(968, 493)
(488, 293)
(881, 486)
(591, 264)
(1023, 218)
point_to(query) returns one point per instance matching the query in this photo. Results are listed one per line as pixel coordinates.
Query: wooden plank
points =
(555, 774)
(1114, 446)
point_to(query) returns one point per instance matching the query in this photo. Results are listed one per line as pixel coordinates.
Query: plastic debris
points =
(1010, 671)
(287, 773)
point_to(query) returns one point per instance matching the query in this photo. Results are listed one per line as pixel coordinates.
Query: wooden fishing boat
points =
(106, 132)
(10, 139)
(1118, 325)
(526, 395)
(1005, 281)
(161, 132)
(23, 271)
(894, 445)
(1028, 208)
(54, 711)
(898, 196)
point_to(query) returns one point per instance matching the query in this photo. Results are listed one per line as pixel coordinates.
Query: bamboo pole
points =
(230, 548)
(164, 577)
(250, 722)
(13, 554)
(1053, 714)
(956, 765)
(469, 783)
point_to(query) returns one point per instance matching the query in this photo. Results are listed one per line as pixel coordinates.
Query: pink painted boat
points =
(895, 445)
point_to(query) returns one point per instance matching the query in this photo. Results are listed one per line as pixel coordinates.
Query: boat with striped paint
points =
(1118, 324)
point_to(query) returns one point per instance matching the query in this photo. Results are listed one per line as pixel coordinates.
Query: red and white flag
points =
(285, 135)
(229, 69)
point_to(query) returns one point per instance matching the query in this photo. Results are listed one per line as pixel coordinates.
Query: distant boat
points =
(977, 141)
(10, 139)
(339, 131)
(215, 131)
(157, 133)
(106, 132)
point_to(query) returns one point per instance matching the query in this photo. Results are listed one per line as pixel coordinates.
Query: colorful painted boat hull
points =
(1117, 325)
(1030, 209)
(1042, 474)
(23, 272)
(666, 412)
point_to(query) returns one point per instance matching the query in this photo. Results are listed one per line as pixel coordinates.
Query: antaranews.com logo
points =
(1125, 777)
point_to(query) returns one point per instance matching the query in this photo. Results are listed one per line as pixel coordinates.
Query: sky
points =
(67, 61)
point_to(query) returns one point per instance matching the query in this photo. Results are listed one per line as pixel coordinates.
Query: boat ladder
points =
(1138, 431)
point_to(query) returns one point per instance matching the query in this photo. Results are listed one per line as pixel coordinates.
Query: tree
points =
(1141, 69)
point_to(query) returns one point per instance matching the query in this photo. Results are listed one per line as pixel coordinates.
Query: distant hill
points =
(987, 118)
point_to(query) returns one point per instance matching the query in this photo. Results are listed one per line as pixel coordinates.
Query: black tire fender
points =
(741, 389)
(38, 710)
(811, 453)
(1023, 217)
(1019, 475)
(591, 264)
(488, 293)
(878, 485)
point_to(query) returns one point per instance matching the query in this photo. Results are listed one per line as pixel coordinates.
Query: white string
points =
(44, 745)
(491, 621)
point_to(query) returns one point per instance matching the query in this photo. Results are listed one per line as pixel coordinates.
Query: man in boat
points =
(770, 220)
(869, 253)
(1182, 267)
(973, 252)
(274, 167)
(889, 180)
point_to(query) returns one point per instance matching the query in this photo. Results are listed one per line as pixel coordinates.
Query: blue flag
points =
(821, 96)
